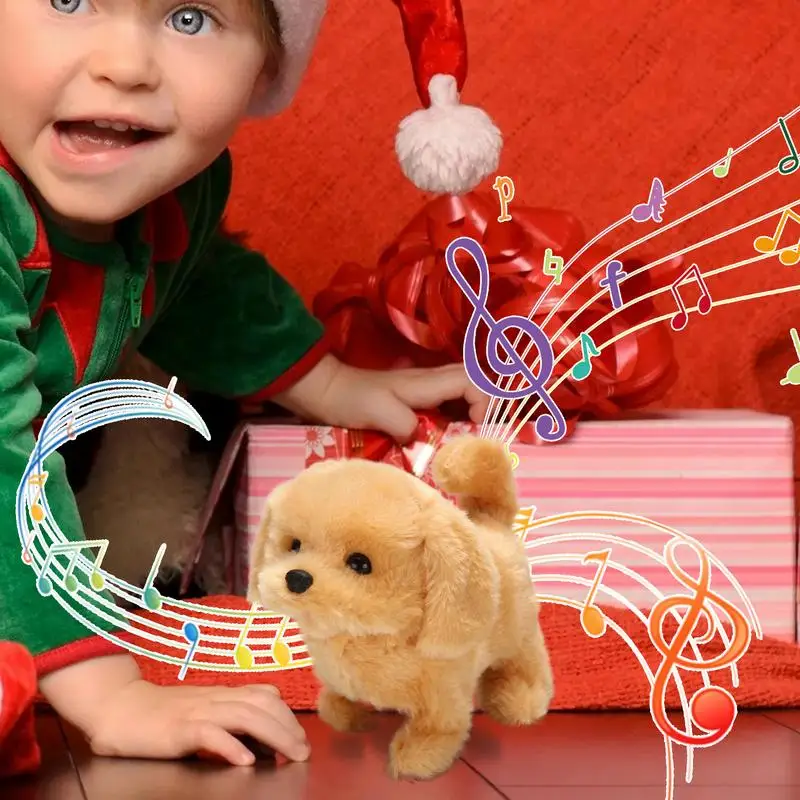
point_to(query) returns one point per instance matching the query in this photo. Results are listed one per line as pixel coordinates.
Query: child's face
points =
(70, 68)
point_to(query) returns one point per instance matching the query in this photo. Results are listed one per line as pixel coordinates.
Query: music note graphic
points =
(37, 481)
(549, 426)
(44, 584)
(712, 708)
(513, 457)
(243, 656)
(280, 650)
(170, 389)
(151, 596)
(26, 550)
(678, 322)
(789, 256)
(653, 207)
(793, 375)
(553, 266)
(593, 620)
(583, 368)
(192, 635)
(721, 169)
(523, 520)
(788, 164)
(505, 190)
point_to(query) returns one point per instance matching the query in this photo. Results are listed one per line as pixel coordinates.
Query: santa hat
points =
(446, 147)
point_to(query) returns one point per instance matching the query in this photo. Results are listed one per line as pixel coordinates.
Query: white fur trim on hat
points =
(447, 148)
(300, 21)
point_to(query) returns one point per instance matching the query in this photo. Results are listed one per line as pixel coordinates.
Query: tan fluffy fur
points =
(146, 488)
(448, 612)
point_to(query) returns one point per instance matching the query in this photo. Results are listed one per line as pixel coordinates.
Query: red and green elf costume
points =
(199, 305)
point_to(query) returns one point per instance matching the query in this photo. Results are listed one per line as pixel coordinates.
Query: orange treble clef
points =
(712, 708)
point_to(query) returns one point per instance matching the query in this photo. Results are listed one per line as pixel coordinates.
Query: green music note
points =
(583, 368)
(96, 580)
(151, 596)
(793, 375)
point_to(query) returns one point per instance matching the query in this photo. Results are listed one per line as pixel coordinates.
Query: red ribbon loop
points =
(408, 306)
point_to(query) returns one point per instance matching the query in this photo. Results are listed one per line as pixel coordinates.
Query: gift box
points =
(724, 478)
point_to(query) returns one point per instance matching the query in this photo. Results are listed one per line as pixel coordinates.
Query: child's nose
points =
(125, 60)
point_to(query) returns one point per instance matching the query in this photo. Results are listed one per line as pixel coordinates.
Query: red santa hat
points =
(446, 147)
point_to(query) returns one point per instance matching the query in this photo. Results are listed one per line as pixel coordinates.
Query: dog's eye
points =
(359, 563)
(295, 546)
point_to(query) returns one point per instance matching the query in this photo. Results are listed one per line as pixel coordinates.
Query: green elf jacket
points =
(198, 305)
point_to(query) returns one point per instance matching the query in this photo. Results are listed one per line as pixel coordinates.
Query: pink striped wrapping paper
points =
(723, 477)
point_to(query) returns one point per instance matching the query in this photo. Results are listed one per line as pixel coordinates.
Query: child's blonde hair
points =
(270, 29)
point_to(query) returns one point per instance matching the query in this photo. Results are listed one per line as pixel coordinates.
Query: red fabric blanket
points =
(589, 673)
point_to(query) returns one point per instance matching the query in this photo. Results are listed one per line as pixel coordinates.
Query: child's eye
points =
(190, 21)
(295, 546)
(67, 6)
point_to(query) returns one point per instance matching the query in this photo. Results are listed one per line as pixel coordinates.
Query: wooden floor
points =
(568, 756)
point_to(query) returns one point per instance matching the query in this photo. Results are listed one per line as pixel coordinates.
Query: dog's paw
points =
(514, 701)
(342, 714)
(420, 756)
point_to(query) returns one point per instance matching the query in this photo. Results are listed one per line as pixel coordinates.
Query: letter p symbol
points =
(505, 190)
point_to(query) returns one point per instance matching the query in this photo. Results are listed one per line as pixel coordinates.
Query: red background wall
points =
(594, 98)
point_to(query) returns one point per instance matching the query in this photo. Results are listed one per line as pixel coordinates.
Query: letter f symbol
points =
(614, 276)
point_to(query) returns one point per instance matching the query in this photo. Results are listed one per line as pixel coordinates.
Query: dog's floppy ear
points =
(460, 584)
(258, 555)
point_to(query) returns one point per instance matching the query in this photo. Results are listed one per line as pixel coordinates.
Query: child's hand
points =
(122, 715)
(340, 395)
(148, 721)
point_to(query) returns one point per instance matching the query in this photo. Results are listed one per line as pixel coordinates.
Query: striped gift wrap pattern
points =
(724, 478)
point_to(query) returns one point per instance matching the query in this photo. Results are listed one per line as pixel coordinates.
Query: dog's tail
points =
(479, 473)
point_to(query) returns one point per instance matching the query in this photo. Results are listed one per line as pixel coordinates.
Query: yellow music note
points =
(522, 521)
(768, 244)
(513, 457)
(280, 650)
(170, 389)
(37, 480)
(242, 654)
(593, 620)
(45, 586)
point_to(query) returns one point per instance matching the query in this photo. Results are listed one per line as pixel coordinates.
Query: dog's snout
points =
(299, 581)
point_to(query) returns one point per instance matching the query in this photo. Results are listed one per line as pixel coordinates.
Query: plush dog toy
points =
(407, 602)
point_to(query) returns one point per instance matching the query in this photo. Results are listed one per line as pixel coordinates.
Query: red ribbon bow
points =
(408, 306)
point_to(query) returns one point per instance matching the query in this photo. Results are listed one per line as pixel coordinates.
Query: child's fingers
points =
(478, 403)
(431, 388)
(253, 721)
(208, 737)
(268, 699)
(385, 411)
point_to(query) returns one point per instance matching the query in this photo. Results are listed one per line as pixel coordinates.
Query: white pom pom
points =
(447, 148)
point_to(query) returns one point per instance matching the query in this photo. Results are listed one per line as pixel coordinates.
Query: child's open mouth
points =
(98, 136)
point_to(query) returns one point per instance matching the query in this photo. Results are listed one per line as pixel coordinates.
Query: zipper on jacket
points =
(132, 314)
(135, 290)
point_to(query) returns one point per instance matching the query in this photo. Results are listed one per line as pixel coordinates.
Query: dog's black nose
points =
(299, 581)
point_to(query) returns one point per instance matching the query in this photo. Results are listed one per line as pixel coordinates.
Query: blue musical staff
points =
(549, 426)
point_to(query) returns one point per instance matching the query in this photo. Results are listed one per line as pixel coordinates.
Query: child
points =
(115, 116)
